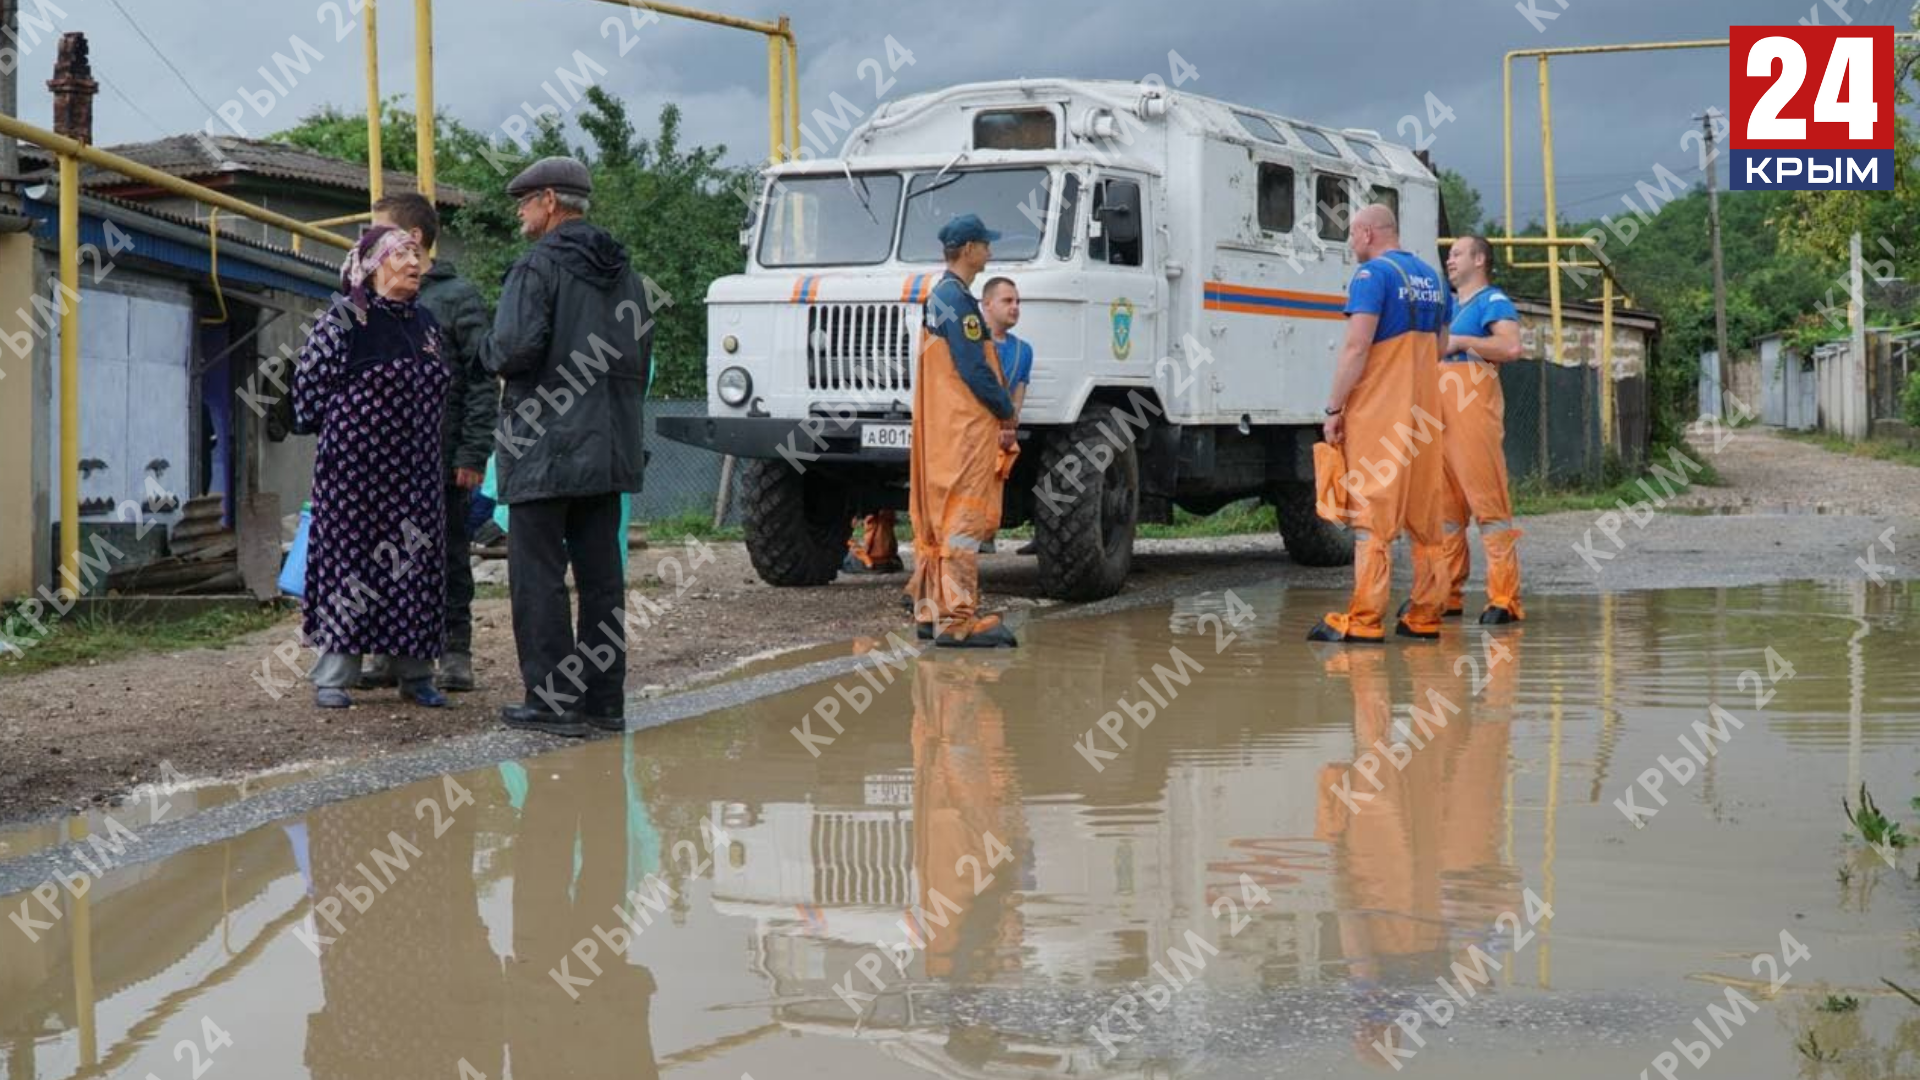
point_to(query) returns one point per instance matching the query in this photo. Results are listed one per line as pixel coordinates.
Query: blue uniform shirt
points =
(1408, 295)
(954, 315)
(1016, 361)
(1477, 316)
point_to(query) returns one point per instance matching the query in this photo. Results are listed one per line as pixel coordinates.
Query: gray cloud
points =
(1358, 63)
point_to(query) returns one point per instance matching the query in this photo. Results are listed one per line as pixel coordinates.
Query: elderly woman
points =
(371, 382)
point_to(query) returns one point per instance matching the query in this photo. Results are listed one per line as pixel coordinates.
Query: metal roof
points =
(197, 156)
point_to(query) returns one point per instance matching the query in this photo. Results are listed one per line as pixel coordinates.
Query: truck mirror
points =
(1120, 212)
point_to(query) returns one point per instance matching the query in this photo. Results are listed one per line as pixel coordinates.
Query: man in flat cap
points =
(573, 339)
(959, 400)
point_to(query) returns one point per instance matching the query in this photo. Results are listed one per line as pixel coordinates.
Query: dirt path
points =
(1763, 472)
(88, 733)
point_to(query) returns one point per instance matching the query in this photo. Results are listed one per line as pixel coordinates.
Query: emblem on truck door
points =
(1121, 312)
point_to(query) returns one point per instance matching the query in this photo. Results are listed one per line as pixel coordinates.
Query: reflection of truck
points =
(1181, 262)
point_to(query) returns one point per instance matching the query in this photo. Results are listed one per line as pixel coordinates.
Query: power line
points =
(163, 56)
(135, 106)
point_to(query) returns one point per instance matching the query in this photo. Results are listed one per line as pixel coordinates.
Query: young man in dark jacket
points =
(473, 408)
(573, 338)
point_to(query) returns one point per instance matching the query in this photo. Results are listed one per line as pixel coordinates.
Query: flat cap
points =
(965, 229)
(564, 175)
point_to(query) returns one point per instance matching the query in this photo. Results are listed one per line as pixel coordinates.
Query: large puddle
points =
(1304, 863)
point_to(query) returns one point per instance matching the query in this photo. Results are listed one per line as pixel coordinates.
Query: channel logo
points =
(1812, 108)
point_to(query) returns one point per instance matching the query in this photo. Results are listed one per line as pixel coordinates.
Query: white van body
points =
(1224, 315)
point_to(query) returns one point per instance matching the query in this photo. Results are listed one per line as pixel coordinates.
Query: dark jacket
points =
(574, 339)
(473, 397)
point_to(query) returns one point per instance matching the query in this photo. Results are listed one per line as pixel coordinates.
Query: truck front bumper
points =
(820, 438)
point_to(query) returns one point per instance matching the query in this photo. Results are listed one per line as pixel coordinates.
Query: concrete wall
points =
(25, 398)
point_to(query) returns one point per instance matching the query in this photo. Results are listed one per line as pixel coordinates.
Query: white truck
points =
(1182, 265)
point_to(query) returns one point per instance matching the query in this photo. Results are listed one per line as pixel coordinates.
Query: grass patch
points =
(1234, 519)
(82, 641)
(1531, 497)
(1839, 1003)
(692, 525)
(1878, 449)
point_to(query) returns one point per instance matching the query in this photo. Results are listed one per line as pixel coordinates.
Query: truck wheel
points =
(1085, 534)
(1311, 539)
(797, 524)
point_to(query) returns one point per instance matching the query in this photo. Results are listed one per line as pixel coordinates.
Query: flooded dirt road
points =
(1168, 841)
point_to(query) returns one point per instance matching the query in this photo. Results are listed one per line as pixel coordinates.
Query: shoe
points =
(1031, 547)
(996, 636)
(456, 672)
(421, 692)
(534, 718)
(923, 631)
(1402, 629)
(376, 673)
(1450, 613)
(1325, 631)
(615, 722)
(852, 565)
(907, 603)
(329, 697)
(1497, 616)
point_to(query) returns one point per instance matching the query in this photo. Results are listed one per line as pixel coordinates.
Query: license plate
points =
(887, 436)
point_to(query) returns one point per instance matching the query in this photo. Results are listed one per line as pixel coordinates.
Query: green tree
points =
(1464, 214)
(676, 208)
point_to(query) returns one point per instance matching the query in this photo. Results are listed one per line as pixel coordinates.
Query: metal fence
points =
(1553, 432)
(681, 479)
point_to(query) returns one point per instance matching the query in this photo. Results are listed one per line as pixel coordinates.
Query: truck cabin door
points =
(1125, 291)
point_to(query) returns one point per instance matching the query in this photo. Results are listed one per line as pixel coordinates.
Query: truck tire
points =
(1085, 537)
(797, 524)
(1311, 540)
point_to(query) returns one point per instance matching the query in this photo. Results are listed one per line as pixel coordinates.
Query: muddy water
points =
(1238, 890)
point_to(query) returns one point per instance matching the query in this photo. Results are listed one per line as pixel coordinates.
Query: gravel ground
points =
(87, 733)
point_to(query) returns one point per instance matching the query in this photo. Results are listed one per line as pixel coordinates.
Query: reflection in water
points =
(1024, 888)
(1419, 879)
(413, 986)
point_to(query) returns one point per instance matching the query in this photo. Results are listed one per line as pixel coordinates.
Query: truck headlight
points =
(734, 385)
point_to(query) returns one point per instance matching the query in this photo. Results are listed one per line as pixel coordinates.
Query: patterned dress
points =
(375, 391)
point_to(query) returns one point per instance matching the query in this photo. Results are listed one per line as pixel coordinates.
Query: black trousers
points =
(459, 572)
(559, 663)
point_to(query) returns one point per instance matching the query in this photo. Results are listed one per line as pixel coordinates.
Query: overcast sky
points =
(1358, 63)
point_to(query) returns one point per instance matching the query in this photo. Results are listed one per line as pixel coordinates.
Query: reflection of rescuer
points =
(1418, 881)
(1385, 398)
(960, 400)
(1485, 331)
(963, 791)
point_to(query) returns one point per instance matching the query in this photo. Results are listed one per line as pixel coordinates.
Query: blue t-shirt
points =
(1477, 316)
(1406, 293)
(1016, 361)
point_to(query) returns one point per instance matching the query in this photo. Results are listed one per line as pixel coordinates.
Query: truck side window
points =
(1275, 208)
(1386, 197)
(1331, 200)
(1069, 215)
(1116, 253)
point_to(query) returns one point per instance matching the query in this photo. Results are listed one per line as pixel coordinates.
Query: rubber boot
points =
(456, 673)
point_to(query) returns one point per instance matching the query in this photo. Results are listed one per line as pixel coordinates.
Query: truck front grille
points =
(863, 858)
(862, 347)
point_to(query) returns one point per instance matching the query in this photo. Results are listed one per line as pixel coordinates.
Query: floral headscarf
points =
(375, 247)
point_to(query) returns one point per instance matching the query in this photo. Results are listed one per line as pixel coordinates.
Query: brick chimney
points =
(73, 89)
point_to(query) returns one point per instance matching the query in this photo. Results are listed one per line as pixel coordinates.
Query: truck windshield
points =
(830, 220)
(1004, 199)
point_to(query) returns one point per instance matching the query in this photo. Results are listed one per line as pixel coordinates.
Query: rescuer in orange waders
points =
(959, 400)
(874, 550)
(1485, 331)
(1382, 414)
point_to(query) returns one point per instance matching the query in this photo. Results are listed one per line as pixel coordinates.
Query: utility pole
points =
(1713, 229)
(9, 102)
